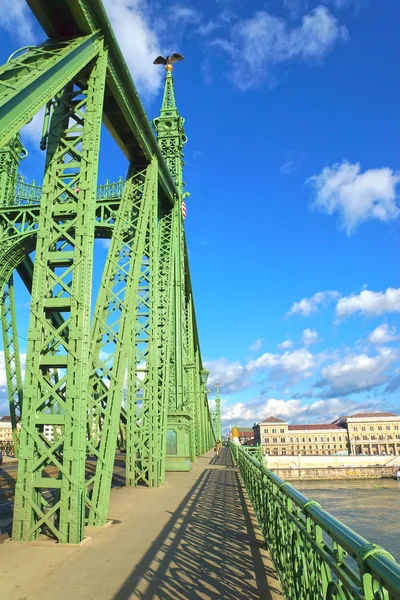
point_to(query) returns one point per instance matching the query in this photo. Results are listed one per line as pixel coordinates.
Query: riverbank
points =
(345, 472)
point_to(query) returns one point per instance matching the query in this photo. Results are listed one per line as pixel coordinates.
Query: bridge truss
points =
(128, 372)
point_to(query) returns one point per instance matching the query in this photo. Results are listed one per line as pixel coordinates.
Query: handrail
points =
(31, 193)
(316, 556)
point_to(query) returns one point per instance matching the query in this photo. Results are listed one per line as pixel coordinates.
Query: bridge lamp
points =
(204, 375)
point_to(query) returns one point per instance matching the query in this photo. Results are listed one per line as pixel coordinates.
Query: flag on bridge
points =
(183, 209)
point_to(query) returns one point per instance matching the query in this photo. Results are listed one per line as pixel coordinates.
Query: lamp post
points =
(205, 445)
(218, 429)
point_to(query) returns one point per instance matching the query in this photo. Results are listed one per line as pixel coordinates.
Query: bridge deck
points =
(195, 537)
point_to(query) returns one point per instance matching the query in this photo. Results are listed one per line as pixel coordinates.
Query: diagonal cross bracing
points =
(62, 283)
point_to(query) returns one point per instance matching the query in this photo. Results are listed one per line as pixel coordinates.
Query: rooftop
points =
(315, 426)
(272, 420)
(5, 419)
(372, 415)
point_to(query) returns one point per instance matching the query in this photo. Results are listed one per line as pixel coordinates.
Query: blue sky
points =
(292, 116)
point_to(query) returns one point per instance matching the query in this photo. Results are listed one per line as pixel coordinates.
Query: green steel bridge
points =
(129, 375)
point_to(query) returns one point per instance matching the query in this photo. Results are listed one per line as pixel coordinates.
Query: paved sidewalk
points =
(193, 538)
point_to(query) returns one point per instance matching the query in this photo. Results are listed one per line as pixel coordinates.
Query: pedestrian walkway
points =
(193, 538)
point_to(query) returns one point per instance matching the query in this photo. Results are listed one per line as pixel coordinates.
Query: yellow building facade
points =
(362, 433)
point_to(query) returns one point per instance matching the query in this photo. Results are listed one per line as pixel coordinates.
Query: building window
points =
(354, 428)
(364, 437)
(265, 430)
(396, 427)
(282, 440)
(315, 439)
(363, 428)
(273, 430)
(340, 438)
(322, 439)
(267, 451)
(387, 427)
(327, 439)
(371, 428)
(275, 451)
(380, 428)
(397, 436)
(265, 440)
(373, 437)
(333, 439)
(274, 440)
(309, 439)
(303, 439)
(297, 440)
(283, 450)
(282, 431)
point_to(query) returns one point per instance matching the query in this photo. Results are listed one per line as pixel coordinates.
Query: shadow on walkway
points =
(209, 548)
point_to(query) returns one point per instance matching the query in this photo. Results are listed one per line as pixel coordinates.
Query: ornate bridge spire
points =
(169, 125)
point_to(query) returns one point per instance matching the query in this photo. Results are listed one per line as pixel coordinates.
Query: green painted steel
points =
(316, 556)
(75, 404)
(61, 282)
(12, 358)
(124, 115)
(112, 329)
(33, 77)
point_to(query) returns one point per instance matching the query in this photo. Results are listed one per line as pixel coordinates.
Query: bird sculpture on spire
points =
(168, 60)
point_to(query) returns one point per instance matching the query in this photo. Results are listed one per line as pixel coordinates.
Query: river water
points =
(370, 507)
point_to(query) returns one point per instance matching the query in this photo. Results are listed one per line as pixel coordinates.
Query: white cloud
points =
(309, 336)
(257, 345)
(16, 18)
(307, 306)
(289, 167)
(383, 334)
(369, 303)
(285, 345)
(357, 197)
(231, 377)
(292, 411)
(357, 373)
(265, 40)
(32, 132)
(139, 41)
(288, 364)
(184, 14)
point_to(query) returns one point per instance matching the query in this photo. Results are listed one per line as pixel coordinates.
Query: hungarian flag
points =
(183, 209)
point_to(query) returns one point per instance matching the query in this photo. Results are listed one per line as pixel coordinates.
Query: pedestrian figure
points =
(218, 447)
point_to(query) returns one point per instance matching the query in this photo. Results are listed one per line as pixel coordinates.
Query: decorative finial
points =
(168, 61)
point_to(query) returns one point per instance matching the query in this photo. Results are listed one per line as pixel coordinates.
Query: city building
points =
(373, 433)
(361, 433)
(6, 436)
(246, 435)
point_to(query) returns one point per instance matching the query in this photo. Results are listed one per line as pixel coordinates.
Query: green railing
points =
(316, 556)
(31, 193)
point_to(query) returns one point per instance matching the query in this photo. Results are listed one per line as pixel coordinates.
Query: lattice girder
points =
(61, 283)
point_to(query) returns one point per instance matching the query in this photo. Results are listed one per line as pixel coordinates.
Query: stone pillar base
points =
(178, 442)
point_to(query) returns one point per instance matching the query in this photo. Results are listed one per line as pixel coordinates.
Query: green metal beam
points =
(124, 114)
(32, 78)
(62, 282)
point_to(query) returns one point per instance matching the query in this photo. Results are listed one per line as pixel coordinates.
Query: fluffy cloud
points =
(369, 303)
(257, 345)
(265, 40)
(357, 197)
(16, 18)
(308, 306)
(292, 410)
(383, 335)
(139, 41)
(232, 377)
(289, 365)
(357, 373)
(285, 345)
(309, 336)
